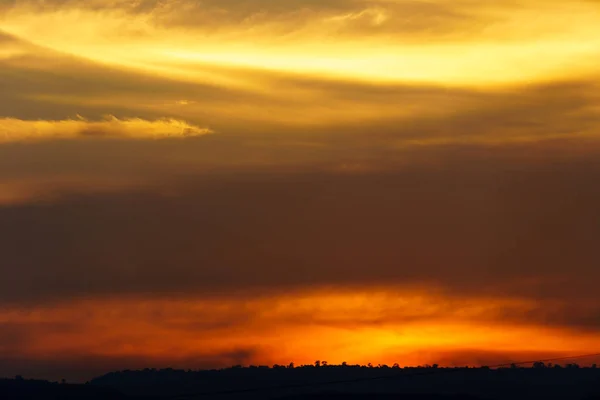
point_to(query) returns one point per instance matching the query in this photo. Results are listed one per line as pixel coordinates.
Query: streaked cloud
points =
(14, 130)
(491, 214)
(505, 47)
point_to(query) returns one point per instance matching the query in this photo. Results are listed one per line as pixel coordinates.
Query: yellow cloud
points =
(16, 130)
(459, 43)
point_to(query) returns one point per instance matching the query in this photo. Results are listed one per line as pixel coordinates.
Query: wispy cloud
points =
(15, 130)
(477, 43)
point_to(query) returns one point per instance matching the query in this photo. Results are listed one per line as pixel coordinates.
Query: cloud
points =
(359, 325)
(49, 85)
(296, 105)
(500, 222)
(414, 18)
(367, 41)
(14, 130)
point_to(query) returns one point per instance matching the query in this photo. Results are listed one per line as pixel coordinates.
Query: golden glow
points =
(14, 130)
(362, 326)
(380, 41)
(262, 60)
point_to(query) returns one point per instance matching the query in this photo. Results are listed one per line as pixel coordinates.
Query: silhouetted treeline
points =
(307, 381)
(321, 381)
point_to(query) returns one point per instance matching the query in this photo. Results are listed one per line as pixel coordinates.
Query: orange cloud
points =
(368, 325)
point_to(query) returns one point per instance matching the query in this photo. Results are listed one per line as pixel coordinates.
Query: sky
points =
(200, 184)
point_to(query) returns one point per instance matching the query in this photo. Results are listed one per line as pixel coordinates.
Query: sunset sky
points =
(203, 183)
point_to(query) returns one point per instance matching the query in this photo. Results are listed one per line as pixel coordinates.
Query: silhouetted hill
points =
(354, 382)
(43, 390)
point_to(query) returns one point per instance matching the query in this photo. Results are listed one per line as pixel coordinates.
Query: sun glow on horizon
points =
(367, 326)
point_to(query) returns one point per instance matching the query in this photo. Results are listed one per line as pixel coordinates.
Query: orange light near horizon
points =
(357, 327)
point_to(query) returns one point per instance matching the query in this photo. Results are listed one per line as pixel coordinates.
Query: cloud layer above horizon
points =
(216, 171)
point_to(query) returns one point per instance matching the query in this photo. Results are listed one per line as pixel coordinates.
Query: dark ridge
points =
(543, 381)
(29, 389)
(379, 396)
(324, 382)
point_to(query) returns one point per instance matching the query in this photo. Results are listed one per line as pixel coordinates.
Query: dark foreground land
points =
(323, 383)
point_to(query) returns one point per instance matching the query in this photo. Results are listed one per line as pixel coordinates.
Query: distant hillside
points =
(35, 389)
(353, 382)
